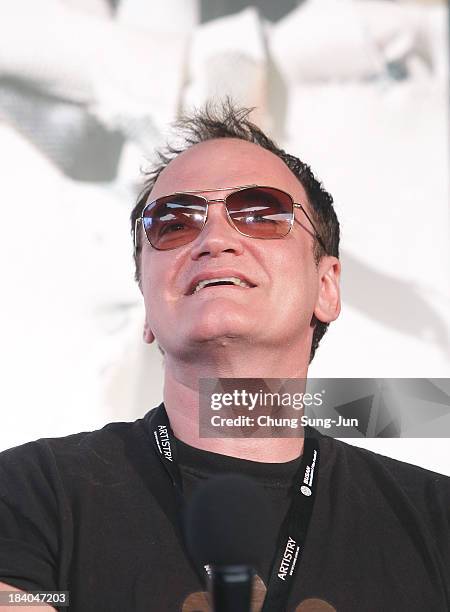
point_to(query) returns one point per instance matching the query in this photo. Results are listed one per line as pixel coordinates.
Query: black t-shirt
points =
(95, 514)
(276, 479)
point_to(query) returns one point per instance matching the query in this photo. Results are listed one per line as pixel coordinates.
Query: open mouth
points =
(231, 281)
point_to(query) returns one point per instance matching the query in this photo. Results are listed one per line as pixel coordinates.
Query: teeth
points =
(231, 279)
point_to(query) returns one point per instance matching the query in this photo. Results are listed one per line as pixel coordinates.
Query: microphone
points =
(225, 525)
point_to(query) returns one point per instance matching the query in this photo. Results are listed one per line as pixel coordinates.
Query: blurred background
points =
(356, 88)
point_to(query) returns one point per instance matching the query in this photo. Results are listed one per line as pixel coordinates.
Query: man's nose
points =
(218, 235)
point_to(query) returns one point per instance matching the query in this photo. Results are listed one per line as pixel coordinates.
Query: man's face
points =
(277, 310)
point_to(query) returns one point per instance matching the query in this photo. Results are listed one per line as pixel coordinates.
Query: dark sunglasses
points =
(253, 210)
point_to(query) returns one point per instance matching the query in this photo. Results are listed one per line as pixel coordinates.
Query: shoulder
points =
(51, 459)
(425, 492)
(406, 473)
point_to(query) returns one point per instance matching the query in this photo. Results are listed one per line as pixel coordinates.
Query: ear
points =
(148, 334)
(328, 304)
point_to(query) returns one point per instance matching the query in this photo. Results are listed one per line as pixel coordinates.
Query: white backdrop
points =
(356, 89)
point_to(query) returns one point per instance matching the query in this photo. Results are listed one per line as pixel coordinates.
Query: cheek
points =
(158, 278)
(294, 260)
(154, 268)
(297, 276)
(151, 279)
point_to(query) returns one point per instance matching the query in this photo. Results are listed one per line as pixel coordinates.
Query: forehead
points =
(226, 162)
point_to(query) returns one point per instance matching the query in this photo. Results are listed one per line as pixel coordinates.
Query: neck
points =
(181, 399)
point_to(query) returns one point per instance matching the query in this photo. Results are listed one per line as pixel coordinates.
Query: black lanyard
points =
(292, 536)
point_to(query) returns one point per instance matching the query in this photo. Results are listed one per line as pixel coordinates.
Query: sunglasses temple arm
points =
(135, 235)
(314, 227)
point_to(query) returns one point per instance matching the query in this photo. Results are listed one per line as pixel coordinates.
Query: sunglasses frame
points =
(208, 201)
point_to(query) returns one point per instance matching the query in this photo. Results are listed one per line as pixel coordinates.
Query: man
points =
(239, 272)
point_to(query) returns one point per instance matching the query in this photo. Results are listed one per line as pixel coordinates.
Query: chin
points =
(212, 322)
(218, 331)
(222, 335)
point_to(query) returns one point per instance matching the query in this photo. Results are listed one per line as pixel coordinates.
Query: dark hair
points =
(229, 121)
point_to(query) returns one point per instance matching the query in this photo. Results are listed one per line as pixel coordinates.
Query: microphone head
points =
(225, 522)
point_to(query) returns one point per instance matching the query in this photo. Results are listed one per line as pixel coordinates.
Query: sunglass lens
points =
(173, 221)
(261, 212)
